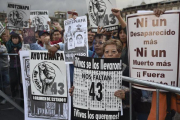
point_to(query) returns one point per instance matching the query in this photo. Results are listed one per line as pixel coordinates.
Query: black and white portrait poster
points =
(100, 14)
(39, 19)
(2, 29)
(95, 81)
(41, 110)
(75, 38)
(29, 35)
(18, 16)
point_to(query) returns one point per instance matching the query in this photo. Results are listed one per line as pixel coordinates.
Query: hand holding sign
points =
(46, 75)
(120, 94)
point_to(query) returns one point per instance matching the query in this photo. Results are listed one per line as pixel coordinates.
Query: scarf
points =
(55, 42)
(10, 46)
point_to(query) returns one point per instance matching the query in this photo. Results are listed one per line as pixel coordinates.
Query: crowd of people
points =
(101, 45)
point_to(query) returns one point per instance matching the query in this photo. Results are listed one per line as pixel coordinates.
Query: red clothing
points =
(55, 42)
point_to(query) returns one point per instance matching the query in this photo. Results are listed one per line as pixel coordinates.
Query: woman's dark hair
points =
(119, 30)
(15, 35)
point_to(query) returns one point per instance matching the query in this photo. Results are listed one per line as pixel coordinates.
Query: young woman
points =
(13, 46)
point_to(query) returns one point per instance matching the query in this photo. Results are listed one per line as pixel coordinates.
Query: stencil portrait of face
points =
(79, 38)
(15, 17)
(99, 10)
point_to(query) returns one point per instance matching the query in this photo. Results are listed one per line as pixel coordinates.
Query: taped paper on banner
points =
(40, 110)
(29, 35)
(154, 53)
(39, 19)
(18, 16)
(75, 38)
(2, 29)
(95, 82)
(48, 77)
(100, 14)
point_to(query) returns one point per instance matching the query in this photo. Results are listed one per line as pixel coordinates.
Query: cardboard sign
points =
(153, 44)
(100, 14)
(95, 82)
(18, 16)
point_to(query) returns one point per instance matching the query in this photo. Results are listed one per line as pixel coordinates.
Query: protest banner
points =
(75, 38)
(39, 19)
(29, 35)
(18, 16)
(153, 44)
(95, 82)
(2, 29)
(41, 110)
(100, 14)
(48, 77)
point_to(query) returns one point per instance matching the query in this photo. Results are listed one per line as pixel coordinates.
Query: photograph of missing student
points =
(18, 16)
(75, 38)
(39, 109)
(100, 14)
(29, 35)
(95, 83)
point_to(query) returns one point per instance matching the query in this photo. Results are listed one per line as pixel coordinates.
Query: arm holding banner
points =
(6, 30)
(116, 12)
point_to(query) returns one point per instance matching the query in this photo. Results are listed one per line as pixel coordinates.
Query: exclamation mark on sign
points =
(172, 83)
(138, 74)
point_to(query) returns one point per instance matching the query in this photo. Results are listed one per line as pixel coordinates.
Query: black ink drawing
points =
(71, 42)
(47, 76)
(15, 17)
(41, 109)
(99, 9)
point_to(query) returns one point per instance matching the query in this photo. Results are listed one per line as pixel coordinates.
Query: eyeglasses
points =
(100, 43)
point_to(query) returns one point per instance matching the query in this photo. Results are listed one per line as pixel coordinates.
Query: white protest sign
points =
(48, 77)
(100, 14)
(75, 38)
(95, 82)
(39, 19)
(18, 16)
(153, 44)
(41, 110)
(2, 29)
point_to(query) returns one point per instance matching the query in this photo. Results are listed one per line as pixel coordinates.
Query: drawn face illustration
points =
(15, 17)
(70, 42)
(79, 39)
(99, 10)
(37, 21)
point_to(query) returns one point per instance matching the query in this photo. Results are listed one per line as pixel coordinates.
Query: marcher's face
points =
(43, 37)
(4, 38)
(123, 36)
(90, 36)
(110, 51)
(56, 36)
(98, 45)
(37, 36)
(15, 40)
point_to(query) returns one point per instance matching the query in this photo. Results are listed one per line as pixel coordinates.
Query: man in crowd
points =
(4, 70)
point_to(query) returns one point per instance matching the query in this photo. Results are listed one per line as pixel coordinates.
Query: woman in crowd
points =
(113, 49)
(13, 46)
